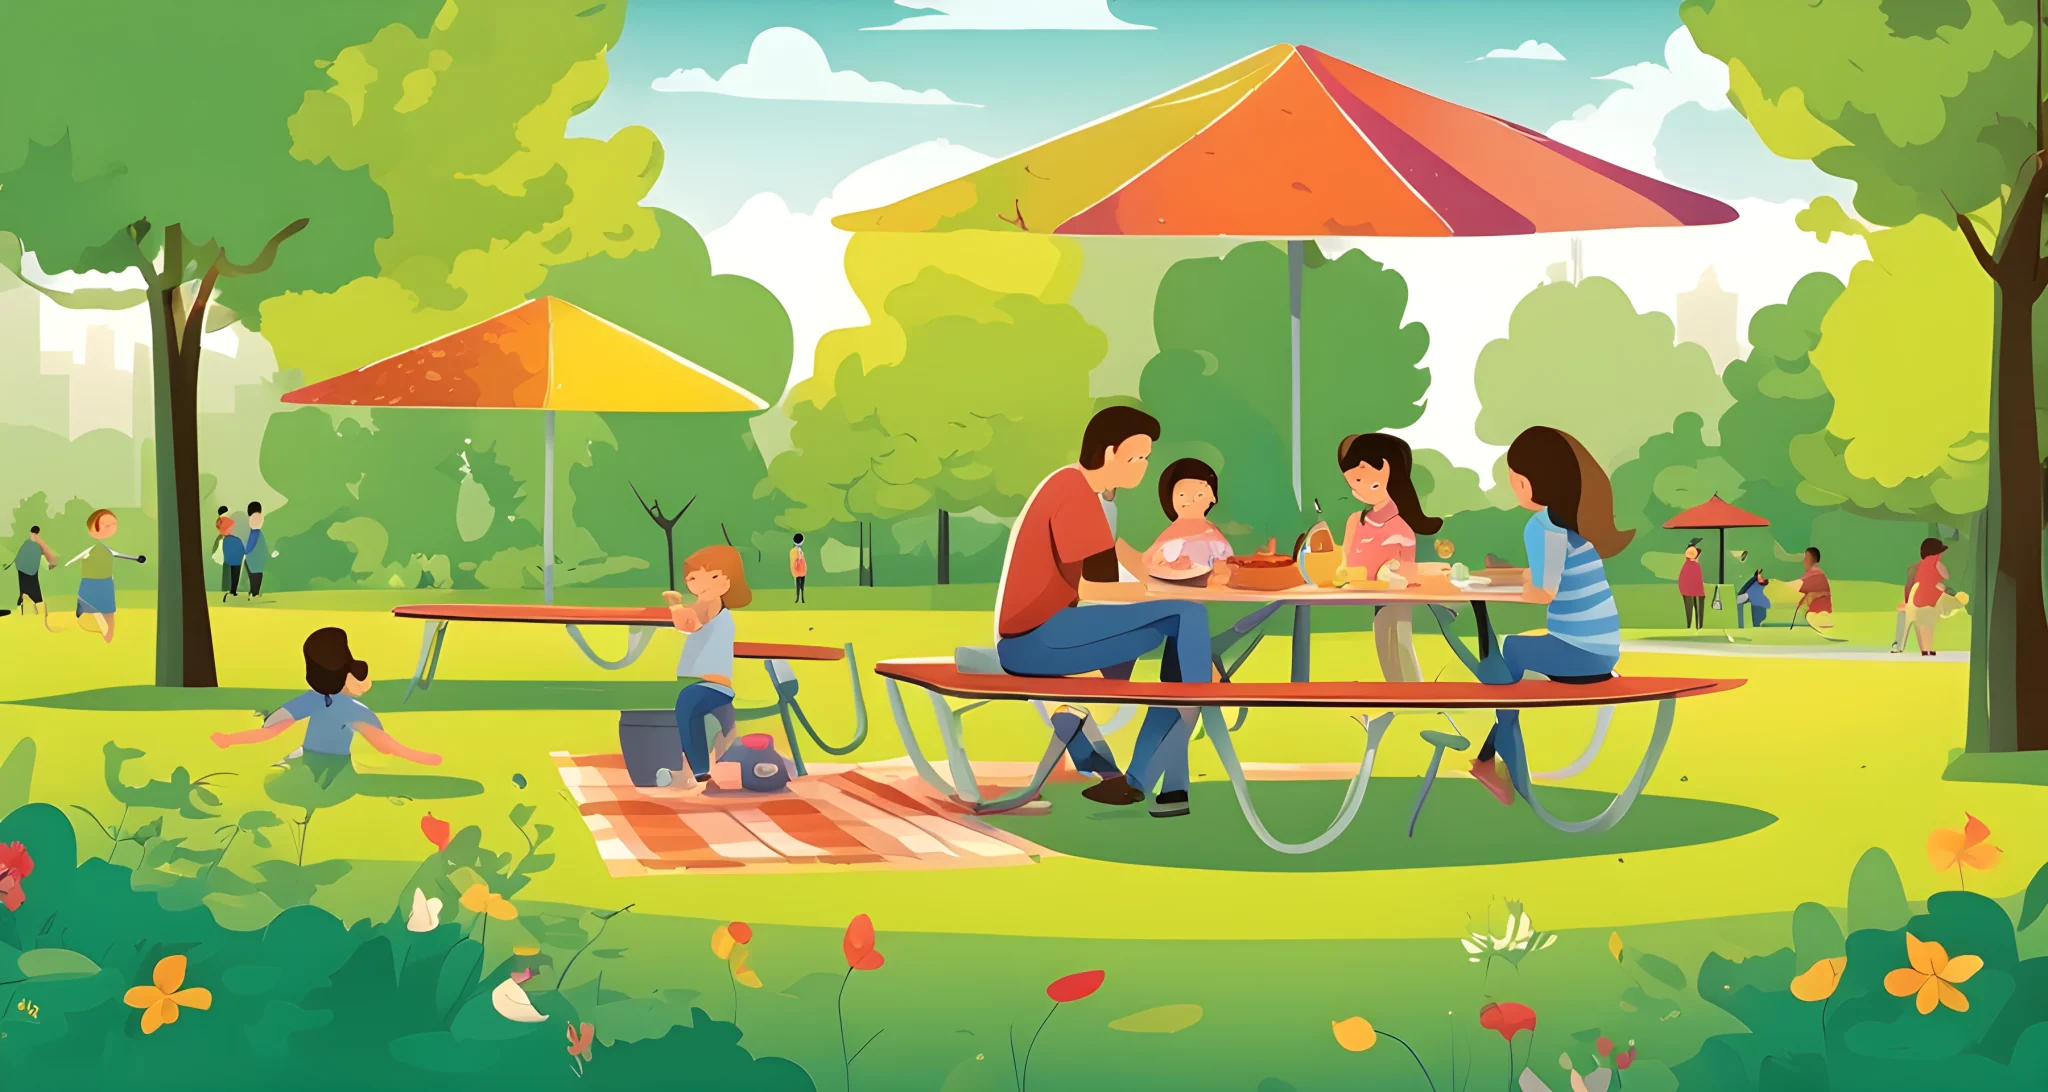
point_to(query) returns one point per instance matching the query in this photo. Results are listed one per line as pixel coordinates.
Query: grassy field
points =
(1765, 799)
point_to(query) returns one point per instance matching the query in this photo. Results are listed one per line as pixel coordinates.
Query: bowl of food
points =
(1267, 570)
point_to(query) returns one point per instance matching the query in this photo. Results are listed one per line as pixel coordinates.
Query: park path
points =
(1794, 652)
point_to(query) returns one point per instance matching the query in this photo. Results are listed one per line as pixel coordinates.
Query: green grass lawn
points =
(1765, 799)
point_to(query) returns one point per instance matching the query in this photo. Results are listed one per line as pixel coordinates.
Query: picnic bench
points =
(641, 625)
(944, 681)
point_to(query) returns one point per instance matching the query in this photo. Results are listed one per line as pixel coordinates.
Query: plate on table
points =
(1191, 574)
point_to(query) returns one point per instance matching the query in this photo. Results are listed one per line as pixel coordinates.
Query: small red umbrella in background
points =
(1716, 515)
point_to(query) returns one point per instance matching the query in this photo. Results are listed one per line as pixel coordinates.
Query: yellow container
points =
(1321, 568)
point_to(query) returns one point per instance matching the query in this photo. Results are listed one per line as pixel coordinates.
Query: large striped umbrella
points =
(1291, 143)
(545, 355)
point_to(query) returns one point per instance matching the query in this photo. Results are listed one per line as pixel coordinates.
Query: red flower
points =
(436, 830)
(859, 945)
(1074, 987)
(1508, 1018)
(1625, 1059)
(579, 1041)
(1603, 1046)
(741, 932)
(15, 865)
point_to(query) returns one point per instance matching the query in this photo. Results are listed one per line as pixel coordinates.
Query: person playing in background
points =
(1568, 540)
(717, 578)
(1753, 597)
(28, 575)
(1924, 597)
(256, 551)
(1692, 587)
(799, 566)
(1191, 548)
(332, 710)
(96, 574)
(1378, 468)
(229, 546)
(1814, 594)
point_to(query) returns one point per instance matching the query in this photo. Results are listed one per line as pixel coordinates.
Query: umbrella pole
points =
(547, 515)
(1295, 248)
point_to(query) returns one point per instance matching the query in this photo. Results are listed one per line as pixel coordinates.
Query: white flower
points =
(1516, 941)
(426, 913)
(510, 999)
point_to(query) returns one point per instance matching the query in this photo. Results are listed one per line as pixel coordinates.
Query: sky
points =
(777, 114)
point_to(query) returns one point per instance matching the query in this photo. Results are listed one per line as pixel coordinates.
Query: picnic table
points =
(642, 623)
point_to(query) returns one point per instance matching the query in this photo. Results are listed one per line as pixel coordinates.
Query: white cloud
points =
(1531, 50)
(1010, 15)
(786, 63)
(801, 257)
(1464, 290)
(1623, 128)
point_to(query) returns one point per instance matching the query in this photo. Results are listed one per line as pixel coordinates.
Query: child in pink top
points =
(1692, 587)
(1377, 467)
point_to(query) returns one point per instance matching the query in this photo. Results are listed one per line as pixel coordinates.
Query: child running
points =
(96, 574)
(332, 709)
(1568, 539)
(1378, 467)
(717, 578)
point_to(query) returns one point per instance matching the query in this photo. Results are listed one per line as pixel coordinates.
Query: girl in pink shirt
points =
(1377, 467)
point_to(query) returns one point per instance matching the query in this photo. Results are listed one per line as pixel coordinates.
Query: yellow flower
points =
(1355, 1034)
(1818, 982)
(525, 950)
(741, 973)
(1952, 849)
(161, 1000)
(482, 900)
(722, 942)
(1933, 976)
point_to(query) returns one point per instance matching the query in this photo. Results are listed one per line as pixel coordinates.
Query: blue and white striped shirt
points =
(1583, 613)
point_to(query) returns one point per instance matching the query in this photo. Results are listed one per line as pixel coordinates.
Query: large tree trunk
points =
(2008, 707)
(945, 548)
(184, 632)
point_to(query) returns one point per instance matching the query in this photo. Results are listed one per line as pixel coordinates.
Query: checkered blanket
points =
(876, 815)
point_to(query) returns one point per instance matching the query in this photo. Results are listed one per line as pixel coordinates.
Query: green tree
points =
(1935, 110)
(129, 143)
(989, 397)
(1581, 358)
(1219, 383)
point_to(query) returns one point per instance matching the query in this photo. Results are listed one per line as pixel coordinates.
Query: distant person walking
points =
(799, 566)
(96, 573)
(1692, 587)
(1814, 593)
(1923, 599)
(28, 575)
(255, 551)
(228, 545)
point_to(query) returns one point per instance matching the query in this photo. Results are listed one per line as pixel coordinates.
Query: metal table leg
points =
(1485, 624)
(430, 658)
(1299, 671)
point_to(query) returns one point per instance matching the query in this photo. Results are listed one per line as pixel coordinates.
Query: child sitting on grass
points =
(333, 713)
(717, 578)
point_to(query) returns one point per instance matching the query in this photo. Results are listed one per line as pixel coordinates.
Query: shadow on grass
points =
(1461, 826)
(444, 695)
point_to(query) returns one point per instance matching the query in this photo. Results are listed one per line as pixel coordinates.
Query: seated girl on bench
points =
(717, 578)
(1568, 539)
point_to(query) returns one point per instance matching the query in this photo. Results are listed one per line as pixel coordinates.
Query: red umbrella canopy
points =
(1715, 513)
(1293, 143)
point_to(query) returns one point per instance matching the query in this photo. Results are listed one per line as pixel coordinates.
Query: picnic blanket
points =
(871, 816)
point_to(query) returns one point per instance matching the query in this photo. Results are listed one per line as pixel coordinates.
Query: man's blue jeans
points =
(1082, 639)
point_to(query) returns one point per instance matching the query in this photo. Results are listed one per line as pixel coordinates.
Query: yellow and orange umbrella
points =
(545, 355)
(1292, 143)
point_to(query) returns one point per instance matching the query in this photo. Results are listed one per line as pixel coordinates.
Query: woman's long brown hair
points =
(1564, 478)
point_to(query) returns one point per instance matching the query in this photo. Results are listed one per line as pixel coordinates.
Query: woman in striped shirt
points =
(1567, 540)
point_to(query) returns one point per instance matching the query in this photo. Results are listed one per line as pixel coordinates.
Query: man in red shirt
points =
(1814, 593)
(1042, 630)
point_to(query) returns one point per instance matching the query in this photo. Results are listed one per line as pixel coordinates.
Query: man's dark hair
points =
(1109, 428)
(255, 507)
(35, 529)
(1933, 546)
(798, 539)
(1815, 551)
(221, 511)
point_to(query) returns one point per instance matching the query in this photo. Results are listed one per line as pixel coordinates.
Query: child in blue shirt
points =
(332, 710)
